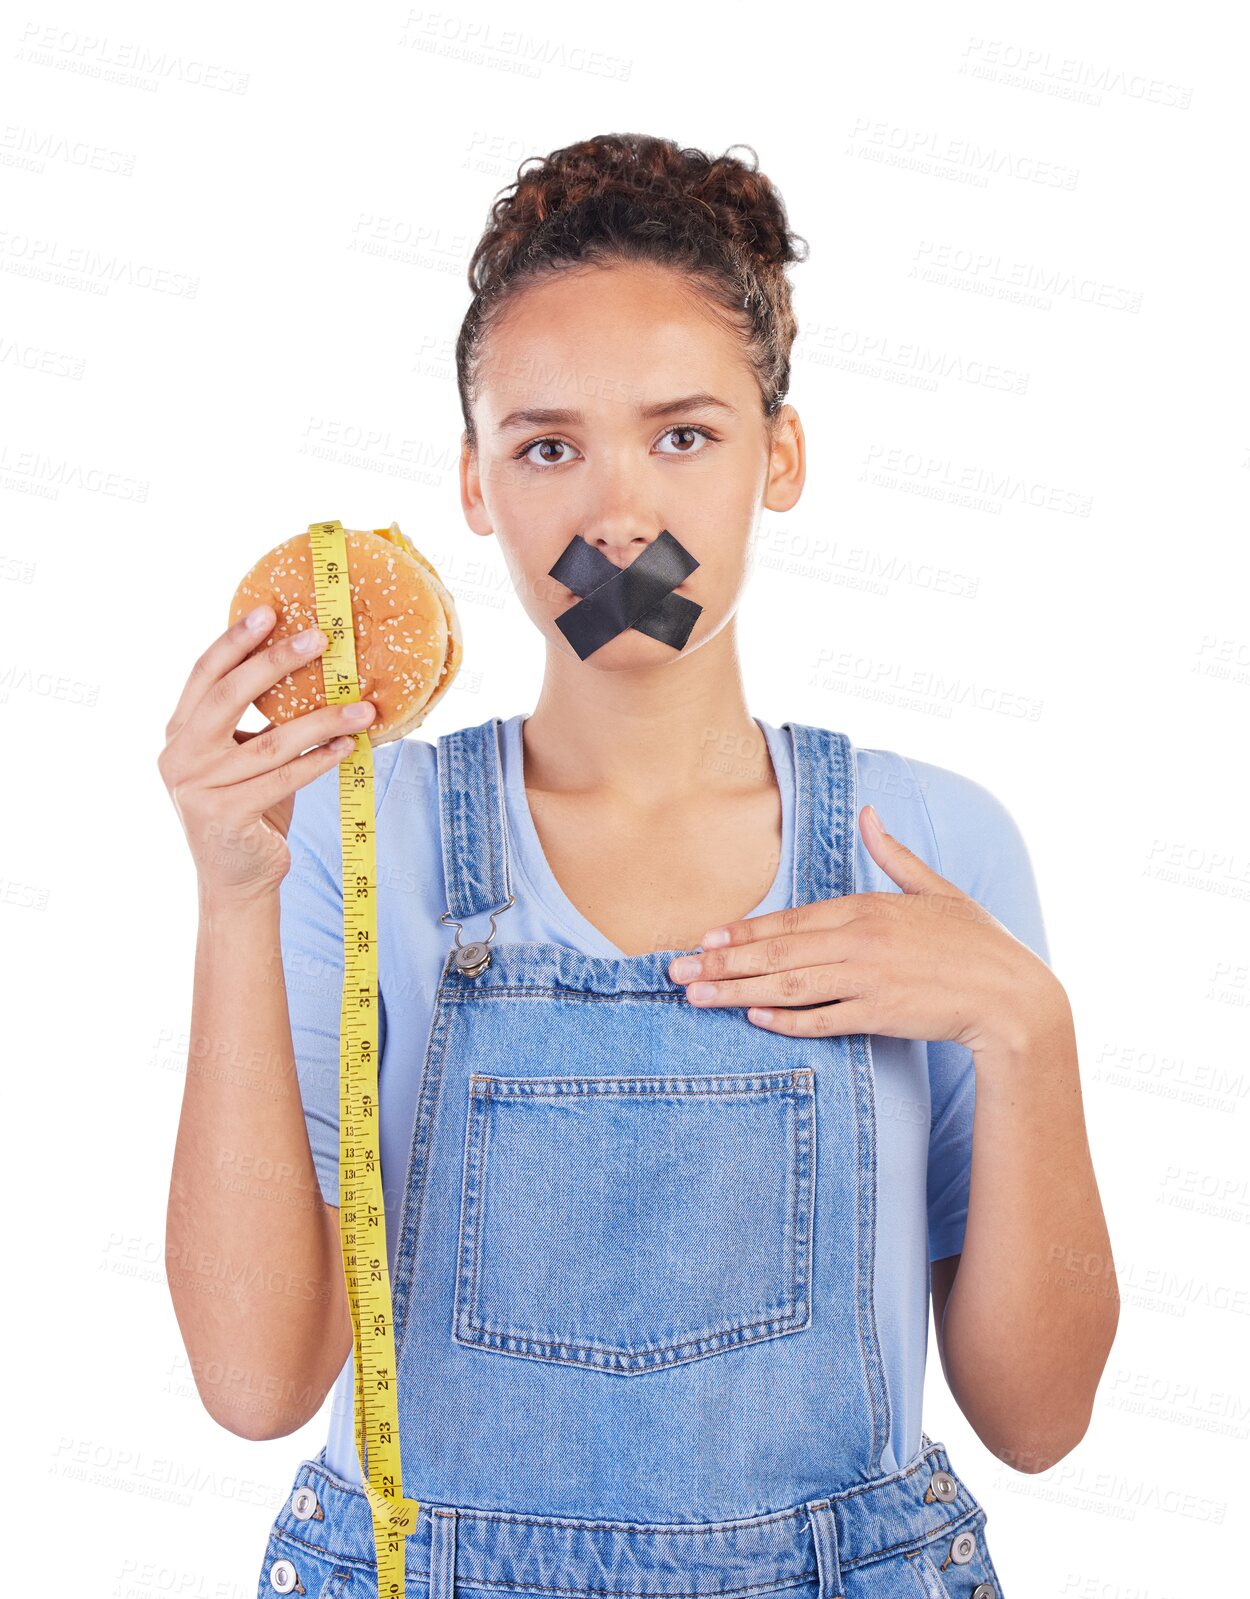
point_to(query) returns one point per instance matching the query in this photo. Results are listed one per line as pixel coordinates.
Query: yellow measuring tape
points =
(362, 1214)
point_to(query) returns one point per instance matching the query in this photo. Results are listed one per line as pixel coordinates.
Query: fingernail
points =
(876, 820)
(717, 937)
(307, 641)
(360, 712)
(255, 620)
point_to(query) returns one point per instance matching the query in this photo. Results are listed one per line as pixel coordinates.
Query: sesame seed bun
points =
(408, 640)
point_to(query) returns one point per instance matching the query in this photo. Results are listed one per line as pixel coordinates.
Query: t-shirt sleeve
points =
(311, 898)
(978, 847)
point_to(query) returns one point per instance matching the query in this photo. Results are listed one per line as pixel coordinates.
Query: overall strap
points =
(472, 820)
(825, 851)
(825, 808)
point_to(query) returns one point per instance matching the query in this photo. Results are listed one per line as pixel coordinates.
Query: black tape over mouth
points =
(615, 598)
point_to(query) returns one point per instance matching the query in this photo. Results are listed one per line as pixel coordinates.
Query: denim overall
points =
(633, 1294)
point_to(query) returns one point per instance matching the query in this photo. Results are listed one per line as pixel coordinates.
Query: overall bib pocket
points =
(629, 1224)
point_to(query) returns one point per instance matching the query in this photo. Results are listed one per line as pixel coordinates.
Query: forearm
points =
(252, 1254)
(1032, 1313)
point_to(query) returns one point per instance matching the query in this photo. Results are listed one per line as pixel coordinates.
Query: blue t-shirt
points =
(924, 1091)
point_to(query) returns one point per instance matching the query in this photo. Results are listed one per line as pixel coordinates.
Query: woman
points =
(668, 1182)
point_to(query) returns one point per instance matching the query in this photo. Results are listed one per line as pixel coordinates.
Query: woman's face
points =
(578, 433)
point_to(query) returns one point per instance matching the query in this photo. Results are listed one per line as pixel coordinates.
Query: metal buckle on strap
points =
(473, 959)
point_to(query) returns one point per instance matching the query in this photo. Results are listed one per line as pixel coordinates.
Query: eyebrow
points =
(549, 417)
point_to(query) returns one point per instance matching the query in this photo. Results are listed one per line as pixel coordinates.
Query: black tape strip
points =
(582, 568)
(615, 598)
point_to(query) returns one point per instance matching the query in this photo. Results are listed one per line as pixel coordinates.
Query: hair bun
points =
(741, 204)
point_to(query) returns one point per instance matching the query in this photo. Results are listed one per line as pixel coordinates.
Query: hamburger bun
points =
(408, 640)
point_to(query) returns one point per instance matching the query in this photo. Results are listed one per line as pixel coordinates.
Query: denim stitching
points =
(349, 1563)
(456, 994)
(794, 855)
(929, 1579)
(502, 803)
(915, 1540)
(477, 1120)
(882, 1387)
(799, 1080)
(865, 1141)
(633, 1593)
(629, 1363)
(492, 774)
(837, 752)
(641, 1593)
(479, 818)
(518, 1518)
(446, 832)
(928, 1460)
(804, 1193)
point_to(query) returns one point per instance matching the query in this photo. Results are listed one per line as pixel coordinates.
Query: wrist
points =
(220, 907)
(1036, 1020)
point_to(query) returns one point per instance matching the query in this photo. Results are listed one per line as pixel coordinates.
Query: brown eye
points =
(687, 434)
(525, 453)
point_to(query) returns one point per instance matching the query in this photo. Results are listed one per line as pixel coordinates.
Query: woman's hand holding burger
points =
(234, 791)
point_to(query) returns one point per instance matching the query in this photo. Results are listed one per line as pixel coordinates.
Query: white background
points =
(232, 266)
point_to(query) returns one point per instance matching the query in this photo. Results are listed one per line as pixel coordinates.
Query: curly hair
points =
(629, 197)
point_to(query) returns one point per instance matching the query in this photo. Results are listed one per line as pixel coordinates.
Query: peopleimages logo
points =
(127, 62)
(1070, 77)
(80, 266)
(940, 155)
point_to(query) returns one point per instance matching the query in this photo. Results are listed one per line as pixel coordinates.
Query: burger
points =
(407, 635)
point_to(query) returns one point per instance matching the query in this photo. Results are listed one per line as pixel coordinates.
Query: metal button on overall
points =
(283, 1577)
(942, 1486)
(963, 1547)
(983, 1591)
(304, 1504)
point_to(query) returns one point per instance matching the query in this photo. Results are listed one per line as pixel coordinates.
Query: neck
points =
(652, 738)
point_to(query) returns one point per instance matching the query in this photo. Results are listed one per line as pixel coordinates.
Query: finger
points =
(801, 985)
(819, 944)
(217, 714)
(242, 737)
(261, 793)
(226, 651)
(793, 919)
(826, 1021)
(279, 743)
(902, 865)
(765, 957)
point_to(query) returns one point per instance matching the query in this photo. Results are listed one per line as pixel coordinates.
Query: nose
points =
(620, 551)
(623, 549)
